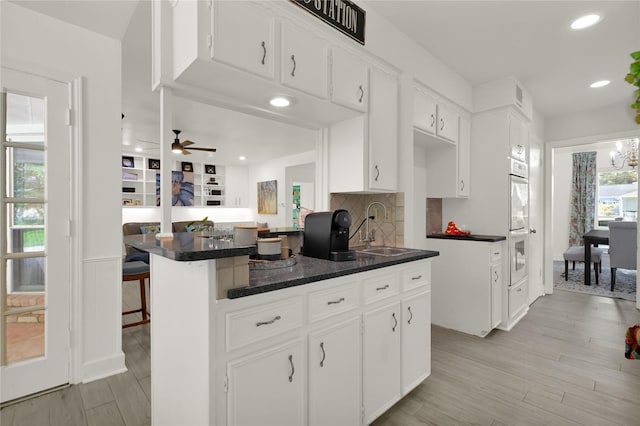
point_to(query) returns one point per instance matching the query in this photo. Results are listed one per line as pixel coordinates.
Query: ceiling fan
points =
(181, 147)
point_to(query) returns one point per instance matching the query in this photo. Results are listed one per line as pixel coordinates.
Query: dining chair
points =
(622, 247)
(576, 254)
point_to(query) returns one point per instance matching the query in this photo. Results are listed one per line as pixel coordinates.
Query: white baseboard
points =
(105, 367)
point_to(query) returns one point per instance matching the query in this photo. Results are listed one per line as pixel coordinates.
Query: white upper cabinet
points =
(434, 117)
(447, 126)
(383, 132)
(425, 116)
(350, 80)
(363, 151)
(518, 138)
(250, 45)
(464, 158)
(304, 61)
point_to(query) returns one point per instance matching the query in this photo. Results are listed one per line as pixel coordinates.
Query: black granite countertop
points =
(309, 269)
(472, 237)
(188, 246)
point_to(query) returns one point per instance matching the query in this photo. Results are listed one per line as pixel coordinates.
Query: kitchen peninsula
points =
(318, 342)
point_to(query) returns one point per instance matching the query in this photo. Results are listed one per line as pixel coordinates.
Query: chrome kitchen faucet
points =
(370, 235)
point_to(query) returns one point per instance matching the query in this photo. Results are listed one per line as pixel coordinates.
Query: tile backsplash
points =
(434, 216)
(388, 232)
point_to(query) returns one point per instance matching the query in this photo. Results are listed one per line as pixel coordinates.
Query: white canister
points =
(269, 248)
(245, 235)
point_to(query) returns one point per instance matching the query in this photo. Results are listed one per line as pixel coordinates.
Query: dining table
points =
(593, 237)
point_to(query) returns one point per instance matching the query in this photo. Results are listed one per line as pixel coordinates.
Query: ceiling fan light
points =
(585, 21)
(176, 148)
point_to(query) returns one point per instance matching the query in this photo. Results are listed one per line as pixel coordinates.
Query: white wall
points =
(604, 121)
(36, 43)
(275, 170)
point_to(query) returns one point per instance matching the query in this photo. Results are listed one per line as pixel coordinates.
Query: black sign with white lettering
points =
(343, 15)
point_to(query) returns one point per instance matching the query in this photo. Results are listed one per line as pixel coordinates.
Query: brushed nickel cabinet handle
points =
(258, 324)
(410, 313)
(433, 120)
(377, 173)
(335, 302)
(293, 71)
(386, 286)
(293, 370)
(264, 52)
(361, 93)
(324, 355)
(416, 277)
(396, 322)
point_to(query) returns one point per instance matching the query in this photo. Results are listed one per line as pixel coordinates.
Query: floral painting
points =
(268, 197)
(181, 188)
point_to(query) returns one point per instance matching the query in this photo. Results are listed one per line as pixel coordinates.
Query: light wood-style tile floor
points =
(563, 364)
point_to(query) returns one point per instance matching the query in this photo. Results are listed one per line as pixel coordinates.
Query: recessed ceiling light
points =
(138, 149)
(585, 21)
(242, 158)
(280, 102)
(600, 83)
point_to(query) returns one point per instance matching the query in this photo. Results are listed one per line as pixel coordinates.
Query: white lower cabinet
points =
(335, 375)
(267, 388)
(364, 343)
(381, 358)
(416, 340)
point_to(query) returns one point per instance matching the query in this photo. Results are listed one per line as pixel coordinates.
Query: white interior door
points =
(536, 215)
(35, 243)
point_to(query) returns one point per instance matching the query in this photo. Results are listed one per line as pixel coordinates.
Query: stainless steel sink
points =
(386, 251)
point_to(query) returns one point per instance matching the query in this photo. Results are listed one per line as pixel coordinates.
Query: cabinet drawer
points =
(327, 303)
(380, 288)
(517, 298)
(496, 253)
(416, 275)
(261, 322)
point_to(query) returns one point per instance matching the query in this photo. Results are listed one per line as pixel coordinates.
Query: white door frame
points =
(64, 373)
(548, 197)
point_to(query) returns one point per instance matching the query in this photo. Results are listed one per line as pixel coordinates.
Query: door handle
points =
(532, 231)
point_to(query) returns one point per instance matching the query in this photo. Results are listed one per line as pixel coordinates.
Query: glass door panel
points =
(35, 247)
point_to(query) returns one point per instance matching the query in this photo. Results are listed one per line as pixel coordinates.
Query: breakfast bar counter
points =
(285, 347)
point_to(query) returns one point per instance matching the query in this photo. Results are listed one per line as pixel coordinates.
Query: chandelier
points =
(630, 156)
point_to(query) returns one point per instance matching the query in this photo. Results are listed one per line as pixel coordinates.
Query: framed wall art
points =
(153, 164)
(128, 162)
(210, 169)
(268, 197)
(187, 167)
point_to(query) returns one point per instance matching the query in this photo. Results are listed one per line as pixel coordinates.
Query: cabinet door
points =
(447, 126)
(304, 61)
(496, 295)
(267, 388)
(464, 154)
(383, 131)
(350, 79)
(236, 186)
(424, 112)
(518, 139)
(416, 340)
(249, 46)
(381, 360)
(335, 375)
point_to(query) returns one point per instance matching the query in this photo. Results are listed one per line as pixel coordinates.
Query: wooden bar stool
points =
(137, 271)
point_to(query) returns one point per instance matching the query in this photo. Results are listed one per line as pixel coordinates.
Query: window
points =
(617, 195)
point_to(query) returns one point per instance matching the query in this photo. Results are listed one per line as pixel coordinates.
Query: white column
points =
(166, 158)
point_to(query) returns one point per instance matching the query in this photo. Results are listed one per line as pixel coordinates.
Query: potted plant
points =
(634, 78)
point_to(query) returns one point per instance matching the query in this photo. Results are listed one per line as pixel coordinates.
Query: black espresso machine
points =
(326, 236)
